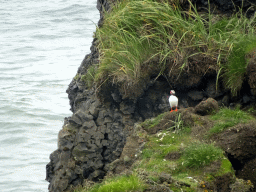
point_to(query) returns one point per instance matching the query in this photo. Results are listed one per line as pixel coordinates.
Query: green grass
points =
(162, 143)
(174, 188)
(186, 169)
(117, 184)
(156, 165)
(227, 113)
(141, 38)
(150, 123)
(89, 77)
(236, 66)
(251, 110)
(219, 127)
(226, 167)
(226, 118)
(158, 147)
(178, 123)
(197, 155)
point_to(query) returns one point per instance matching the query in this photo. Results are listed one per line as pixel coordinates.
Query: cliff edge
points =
(105, 110)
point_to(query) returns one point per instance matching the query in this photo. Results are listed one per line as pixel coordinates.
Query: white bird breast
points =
(173, 100)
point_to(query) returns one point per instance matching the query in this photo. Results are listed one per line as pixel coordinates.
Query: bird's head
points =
(172, 92)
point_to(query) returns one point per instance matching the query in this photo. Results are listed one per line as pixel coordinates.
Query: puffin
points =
(173, 100)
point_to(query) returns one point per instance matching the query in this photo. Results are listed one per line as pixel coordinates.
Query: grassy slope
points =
(193, 162)
(141, 38)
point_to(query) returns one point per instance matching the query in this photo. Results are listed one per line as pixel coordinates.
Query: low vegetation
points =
(149, 123)
(116, 184)
(200, 154)
(89, 78)
(193, 163)
(122, 183)
(144, 38)
(226, 118)
(236, 65)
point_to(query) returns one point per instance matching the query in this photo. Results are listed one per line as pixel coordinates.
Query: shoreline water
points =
(43, 43)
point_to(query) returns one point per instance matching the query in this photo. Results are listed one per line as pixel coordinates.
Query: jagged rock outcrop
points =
(95, 135)
(91, 138)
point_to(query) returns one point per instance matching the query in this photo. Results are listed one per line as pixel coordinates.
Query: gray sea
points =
(42, 44)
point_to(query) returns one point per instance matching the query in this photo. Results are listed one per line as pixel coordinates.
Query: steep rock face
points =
(94, 136)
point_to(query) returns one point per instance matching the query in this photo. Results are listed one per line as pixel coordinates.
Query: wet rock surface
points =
(239, 144)
(92, 140)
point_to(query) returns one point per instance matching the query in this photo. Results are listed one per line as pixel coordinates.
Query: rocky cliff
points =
(96, 133)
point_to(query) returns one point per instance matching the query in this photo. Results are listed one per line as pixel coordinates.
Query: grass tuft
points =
(144, 38)
(226, 118)
(236, 66)
(121, 183)
(150, 123)
(200, 154)
(89, 77)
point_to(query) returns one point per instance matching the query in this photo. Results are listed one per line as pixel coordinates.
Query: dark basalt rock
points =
(226, 6)
(65, 140)
(196, 95)
(248, 172)
(239, 143)
(85, 145)
(213, 90)
(52, 165)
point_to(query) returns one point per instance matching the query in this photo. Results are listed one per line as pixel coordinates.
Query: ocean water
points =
(42, 44)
